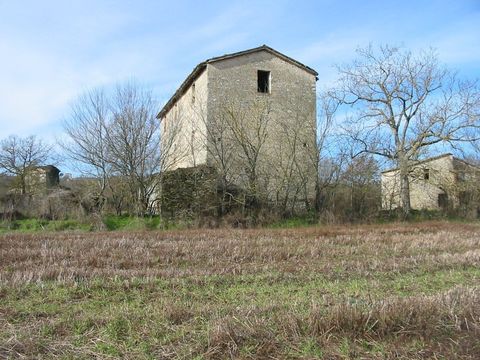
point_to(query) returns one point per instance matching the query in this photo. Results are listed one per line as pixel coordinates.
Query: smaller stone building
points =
(438, 183)
(43, 179)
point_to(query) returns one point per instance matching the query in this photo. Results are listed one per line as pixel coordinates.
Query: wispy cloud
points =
(333, 49)
(43, 71)
(459, 43)
(51, 51)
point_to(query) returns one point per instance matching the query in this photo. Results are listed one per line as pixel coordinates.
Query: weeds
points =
(378, 292)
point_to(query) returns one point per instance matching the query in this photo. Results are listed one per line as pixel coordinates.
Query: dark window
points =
(263, 81)
(193, 93)
(442, 200)
(463, 198)
(426, 174)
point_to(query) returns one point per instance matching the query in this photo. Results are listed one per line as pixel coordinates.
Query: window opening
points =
(442, 200)
(263, 81)
(426, 174)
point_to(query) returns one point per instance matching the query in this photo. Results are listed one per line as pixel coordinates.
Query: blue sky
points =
(52, 51)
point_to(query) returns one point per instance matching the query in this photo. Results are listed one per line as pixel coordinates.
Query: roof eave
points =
(197, 71)
(421, 162)
(268, 49)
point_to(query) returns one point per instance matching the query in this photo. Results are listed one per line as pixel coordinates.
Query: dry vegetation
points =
(390, 291)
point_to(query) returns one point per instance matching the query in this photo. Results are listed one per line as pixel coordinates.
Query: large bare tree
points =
(215, 136)
(20, 156)
(401, 103)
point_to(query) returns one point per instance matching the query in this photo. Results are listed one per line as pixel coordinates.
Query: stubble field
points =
(403, 291)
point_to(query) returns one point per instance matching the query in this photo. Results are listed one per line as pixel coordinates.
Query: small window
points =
(263, 81)
(426, 174)
(193, 93)
(460, 176)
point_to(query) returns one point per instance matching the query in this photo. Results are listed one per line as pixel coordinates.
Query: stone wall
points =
(288, 156)
(425, 190)
(185, 125)
(189, 192)
(286, 165)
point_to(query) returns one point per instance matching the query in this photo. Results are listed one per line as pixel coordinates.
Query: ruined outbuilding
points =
(438, 183)
(43, 179)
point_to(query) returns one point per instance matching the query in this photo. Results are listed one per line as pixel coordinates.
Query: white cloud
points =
(332, 49)
(33, 85)
(42, 75)
(53, 51)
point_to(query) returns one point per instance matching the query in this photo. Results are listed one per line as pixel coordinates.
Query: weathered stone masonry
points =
(233, 78)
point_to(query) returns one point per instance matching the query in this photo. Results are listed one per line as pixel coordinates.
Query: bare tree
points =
(361, 177)
(118, 136)
(214, 135)
(292, 154)
(257, 161)
(133, 138)
(290, 178)
(20, 156)
(248, 128)
(403, 103)
(328, 158)
(86, 144)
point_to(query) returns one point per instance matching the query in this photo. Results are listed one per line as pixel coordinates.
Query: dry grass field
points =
(398, 291)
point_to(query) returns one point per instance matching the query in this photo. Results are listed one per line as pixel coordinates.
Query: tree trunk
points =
(318, 201)
(404, 190)
(23, 184)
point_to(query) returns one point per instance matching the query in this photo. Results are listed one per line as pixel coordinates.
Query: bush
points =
(126, 222)
(34, 225)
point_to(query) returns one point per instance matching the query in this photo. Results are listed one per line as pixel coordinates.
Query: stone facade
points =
(437, 183)
(43, 179)
(183, 123)
(187, 191)
(257, 98)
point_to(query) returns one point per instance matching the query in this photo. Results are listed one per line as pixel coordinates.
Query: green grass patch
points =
(136, 223)
(294, 222)
(139, 317)
(39, 225)
(112, 223)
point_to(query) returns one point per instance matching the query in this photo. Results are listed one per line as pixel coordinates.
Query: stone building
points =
(43, 179)
(438, 183)
(251, 116)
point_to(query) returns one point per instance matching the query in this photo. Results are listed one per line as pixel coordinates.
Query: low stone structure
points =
(188, 192)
